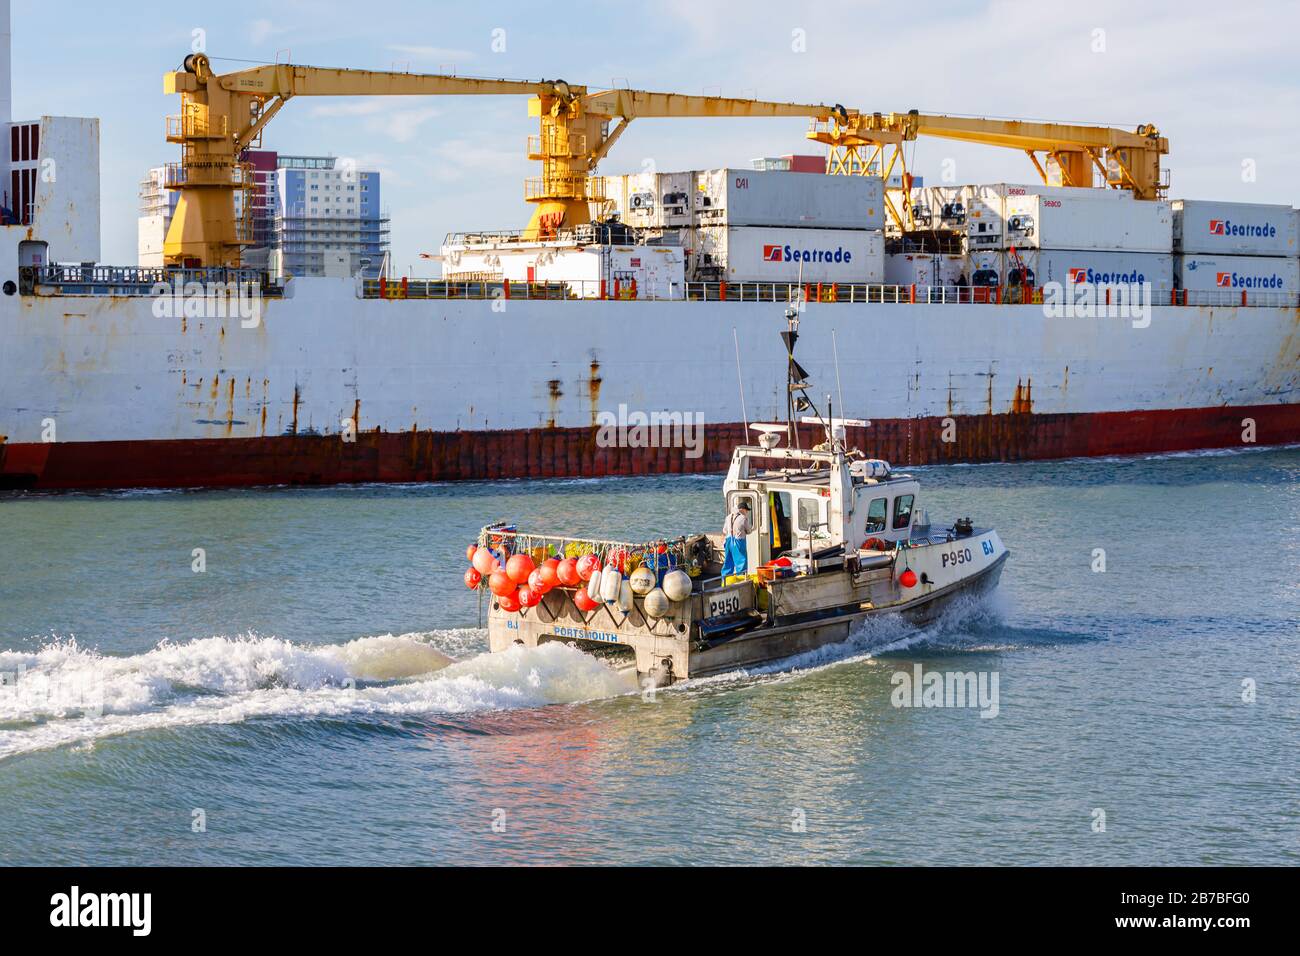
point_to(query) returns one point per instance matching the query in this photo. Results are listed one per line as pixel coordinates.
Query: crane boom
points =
(1126, 160)
(223, 115)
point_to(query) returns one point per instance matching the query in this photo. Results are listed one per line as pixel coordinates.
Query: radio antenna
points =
(839, 389)
(744, 413)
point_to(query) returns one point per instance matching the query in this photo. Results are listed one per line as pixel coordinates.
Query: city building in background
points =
(328, 218)
(309, 216)
(789, 164)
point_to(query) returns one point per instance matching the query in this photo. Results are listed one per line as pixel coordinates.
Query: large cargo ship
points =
(231, 377)
(335, 386)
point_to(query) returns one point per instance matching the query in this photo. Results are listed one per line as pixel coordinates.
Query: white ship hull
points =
(99, 391)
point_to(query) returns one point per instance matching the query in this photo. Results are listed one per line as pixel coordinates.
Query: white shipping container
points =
(658, 271)
(765, 254)
(1235, 228)
(1117, 222)
(652, 200)
(923, 268)
(985, 208)
(1100, 268)
(1197, 273)
(746, 197)
(939, 208)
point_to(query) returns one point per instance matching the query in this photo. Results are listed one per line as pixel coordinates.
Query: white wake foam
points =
(65, 694)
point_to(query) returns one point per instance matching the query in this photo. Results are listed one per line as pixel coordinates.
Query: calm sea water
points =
(289, 703)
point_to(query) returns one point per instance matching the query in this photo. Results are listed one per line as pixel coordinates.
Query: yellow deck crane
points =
(224, 114)
(871, 144)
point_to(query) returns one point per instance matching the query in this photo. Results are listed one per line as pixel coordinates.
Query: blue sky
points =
(1220, 81)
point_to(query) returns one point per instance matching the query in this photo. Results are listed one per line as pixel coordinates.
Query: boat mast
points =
(796, 398)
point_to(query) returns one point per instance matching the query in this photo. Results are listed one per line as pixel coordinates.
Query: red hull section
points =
(575, 452)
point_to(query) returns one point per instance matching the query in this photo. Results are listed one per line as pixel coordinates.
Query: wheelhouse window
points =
(810, 513)
(877, 512)
(903, 512)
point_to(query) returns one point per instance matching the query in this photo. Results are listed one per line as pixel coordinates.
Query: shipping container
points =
(984, 207)
(767, 254)
(1199, 273)
(1234, 228)
(1101, 268)
(654, 271)
(1104, 221)
(652, 200)
(923, 269)
(939, 208)
(746, 197)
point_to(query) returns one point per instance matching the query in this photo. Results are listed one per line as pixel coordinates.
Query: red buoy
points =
(519, 567)
(528, 597)
(500, 583)
(587, 565)
(472, 578)
(508, 602)
(548, 575)
(537, 583)
(908, 578)
(469, 553)
(567, 573)
(583, 601)
(483, 561)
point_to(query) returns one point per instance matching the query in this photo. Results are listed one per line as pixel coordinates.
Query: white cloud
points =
(459, 158)
(361, 107)
(401, 125)
(262, 30)
(380, 116)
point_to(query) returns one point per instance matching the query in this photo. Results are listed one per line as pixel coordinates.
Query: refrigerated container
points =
(984, 205)
(1201, 273)
(1204, 226)
(939, 208)
(1098, 267)
(923, 268)
(653, 271)
(652, 200)
(768, 254)
(1114, 223)
(747, 197)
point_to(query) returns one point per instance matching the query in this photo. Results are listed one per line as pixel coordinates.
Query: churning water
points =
(320, 693)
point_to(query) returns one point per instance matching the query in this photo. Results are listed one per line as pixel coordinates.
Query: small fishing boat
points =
(834, 537)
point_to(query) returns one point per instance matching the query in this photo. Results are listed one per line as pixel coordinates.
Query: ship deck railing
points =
(97, 280)
(493, 536)
(479, 288)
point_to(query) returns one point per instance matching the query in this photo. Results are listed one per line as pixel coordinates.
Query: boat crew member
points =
(735, 529)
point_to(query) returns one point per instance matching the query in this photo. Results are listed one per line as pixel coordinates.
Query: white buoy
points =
(593, 585)
(642, 580)
(610, 583)
(657, 603)
(625, 597)
(677, 585)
